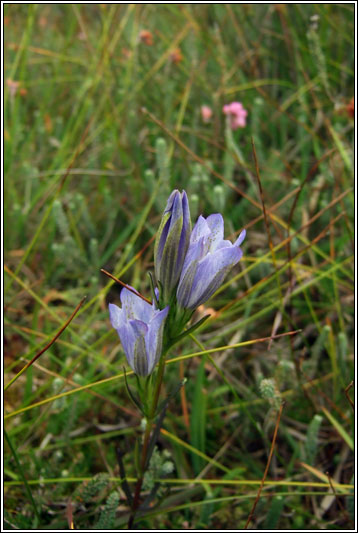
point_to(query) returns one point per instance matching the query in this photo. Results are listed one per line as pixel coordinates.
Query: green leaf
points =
(131, 395)
(275, 511)
(311, 444)
(108, 515)
(198, 418)
(190, 330)
(339, 428)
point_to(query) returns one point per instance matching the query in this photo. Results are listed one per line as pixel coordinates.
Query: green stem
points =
(158, 386)
(150, 420)
(21, 472)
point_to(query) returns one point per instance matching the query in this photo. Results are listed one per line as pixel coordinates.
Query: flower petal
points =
(236, 107)
(216, 226)
(127, 338)
(186, 283)
(176, 208)
(201, 229)
(164, 229)
(240, 238)
(159, 245)
(185, 233)
(134, 307)
(224, 244)
(172, 242)
(140, 359)
(210, 274)
(196, 251)
(168, 272)
(116, 315)
(154, 338)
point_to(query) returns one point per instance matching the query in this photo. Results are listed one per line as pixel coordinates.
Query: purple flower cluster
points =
(189, 267)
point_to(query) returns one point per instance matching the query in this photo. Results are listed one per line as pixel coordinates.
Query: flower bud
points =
(171, 243)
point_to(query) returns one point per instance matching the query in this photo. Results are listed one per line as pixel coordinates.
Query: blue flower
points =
(140, 329)
(209, 258)
(171, 243)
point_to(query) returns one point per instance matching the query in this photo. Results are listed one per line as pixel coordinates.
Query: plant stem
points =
(21, 472)
(148, 429)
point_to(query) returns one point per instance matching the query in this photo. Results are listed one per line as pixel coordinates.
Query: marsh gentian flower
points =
(140, 329)
(209, 258)
(172, 242)
(236, 114)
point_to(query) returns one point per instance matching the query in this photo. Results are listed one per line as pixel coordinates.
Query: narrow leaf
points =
(130, 394)
(190, 330)
(339, 428)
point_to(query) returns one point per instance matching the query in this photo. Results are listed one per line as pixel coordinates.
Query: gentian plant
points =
(190, 266)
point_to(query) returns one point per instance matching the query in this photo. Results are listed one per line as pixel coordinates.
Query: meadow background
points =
(102, 120)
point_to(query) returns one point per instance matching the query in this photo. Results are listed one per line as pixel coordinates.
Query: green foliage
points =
(345, 367)
(163, 174)
(108, 513)
(90, 489)
(200, 189)
(317, 52)
(351, 503)
(311, 364)
(206, 510)
(87, 175)
(17, 521)
(160, 466)
(311, 444)
(198, 418)
(270, 392)
(274, 513)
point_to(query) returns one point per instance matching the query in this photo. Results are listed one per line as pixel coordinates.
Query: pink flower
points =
(206, 113)
(236, 114)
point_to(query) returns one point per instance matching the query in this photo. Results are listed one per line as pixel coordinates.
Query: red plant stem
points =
(29, 363)
(126, 286)
(267, 467)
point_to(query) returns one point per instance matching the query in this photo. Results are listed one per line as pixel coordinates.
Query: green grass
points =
(99, 128)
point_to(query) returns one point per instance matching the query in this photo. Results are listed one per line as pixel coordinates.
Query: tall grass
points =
(100, 126)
